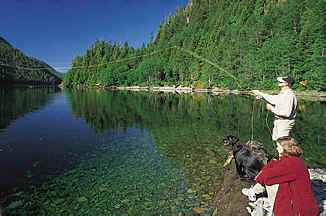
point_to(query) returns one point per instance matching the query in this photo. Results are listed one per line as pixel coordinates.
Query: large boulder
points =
(229, 200)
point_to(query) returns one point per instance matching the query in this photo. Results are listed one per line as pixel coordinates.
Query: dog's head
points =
(230, 140)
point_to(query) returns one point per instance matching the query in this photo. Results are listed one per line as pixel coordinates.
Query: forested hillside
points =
(223, 43)
(15, 67)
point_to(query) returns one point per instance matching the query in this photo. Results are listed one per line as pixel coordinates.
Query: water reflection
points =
(16, 149)
(187, 128)
(136, 151)
(16, 102)
(187, 123)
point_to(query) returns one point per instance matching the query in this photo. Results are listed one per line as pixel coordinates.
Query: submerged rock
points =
(228, 199)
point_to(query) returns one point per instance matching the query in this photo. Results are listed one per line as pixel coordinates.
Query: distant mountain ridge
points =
(2, 40)
(16, 67)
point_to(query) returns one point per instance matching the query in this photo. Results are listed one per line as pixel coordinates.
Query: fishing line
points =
(25, 68)
(269, 129)
(266, 121)
(270, 132)
(211, 63)
(136, 57)
(195, 55)
(252, 119)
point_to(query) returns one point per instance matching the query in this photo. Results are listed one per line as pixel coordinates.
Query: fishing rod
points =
(195, 55)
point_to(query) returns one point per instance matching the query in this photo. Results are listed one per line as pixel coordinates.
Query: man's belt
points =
(278, 118)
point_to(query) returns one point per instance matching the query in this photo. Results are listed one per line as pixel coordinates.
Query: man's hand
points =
(256, 92)
(269, 107)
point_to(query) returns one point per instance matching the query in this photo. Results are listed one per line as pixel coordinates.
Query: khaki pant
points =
(282, 128)
(271, 192)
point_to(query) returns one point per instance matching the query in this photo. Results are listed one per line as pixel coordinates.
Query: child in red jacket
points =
(294, 195)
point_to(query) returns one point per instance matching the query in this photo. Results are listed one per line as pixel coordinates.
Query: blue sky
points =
(56, 30)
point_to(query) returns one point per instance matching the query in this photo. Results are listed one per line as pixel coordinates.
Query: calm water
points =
(96, 152)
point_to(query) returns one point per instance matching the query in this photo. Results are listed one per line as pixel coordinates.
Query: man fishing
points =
(283, 105)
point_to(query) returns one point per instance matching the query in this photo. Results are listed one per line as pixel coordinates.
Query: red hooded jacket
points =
(295, 187)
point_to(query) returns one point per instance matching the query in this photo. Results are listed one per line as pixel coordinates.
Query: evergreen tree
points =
(251, 41)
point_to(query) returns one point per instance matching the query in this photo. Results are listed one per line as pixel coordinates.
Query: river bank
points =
(214, 91)
(307, 94)
(230, 201)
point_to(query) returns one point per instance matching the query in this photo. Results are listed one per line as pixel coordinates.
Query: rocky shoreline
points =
(213, 91)
(179, 89)
(230, 201)
(321, 96)
(318, 181)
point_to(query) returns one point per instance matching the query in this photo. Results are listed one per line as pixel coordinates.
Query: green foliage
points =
(15, 67)
(150, 70)
(254, 41)
(199, 84)
(194, 120)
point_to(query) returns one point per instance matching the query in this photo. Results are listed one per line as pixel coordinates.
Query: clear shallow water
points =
(112, 153)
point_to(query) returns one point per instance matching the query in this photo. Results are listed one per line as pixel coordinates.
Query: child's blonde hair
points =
(290, 146)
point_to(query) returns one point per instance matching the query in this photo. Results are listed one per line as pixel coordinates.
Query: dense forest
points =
(223, 43)
(15, 67)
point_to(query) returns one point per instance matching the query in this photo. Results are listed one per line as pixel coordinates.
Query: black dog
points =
(248, 163)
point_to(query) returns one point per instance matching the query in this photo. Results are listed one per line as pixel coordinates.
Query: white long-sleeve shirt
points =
(285, 104)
